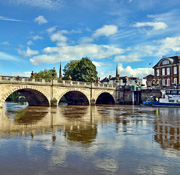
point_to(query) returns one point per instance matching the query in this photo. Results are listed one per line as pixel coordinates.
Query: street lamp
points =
(32, 74)
(53, 129)
(53, 75)
(92, 78)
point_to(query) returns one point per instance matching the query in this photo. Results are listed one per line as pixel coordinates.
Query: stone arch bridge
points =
(49, 92)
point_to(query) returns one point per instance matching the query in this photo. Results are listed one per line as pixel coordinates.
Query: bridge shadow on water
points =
(36, 98)
(80, 123)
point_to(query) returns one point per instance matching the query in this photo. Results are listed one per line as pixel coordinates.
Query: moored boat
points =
(171, 98)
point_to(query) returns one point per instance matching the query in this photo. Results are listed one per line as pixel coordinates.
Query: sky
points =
(131, 34)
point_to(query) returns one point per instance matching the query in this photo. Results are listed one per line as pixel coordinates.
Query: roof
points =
(119, 78)
(105, 80)
(148, 76)
(172, 60)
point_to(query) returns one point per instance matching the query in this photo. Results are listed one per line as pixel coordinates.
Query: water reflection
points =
(167, 128)
(80, 123)
(90, 140)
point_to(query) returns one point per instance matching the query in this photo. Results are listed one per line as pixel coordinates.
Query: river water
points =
(84, 140)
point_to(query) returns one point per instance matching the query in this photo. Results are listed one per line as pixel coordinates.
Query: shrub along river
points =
(78, 140)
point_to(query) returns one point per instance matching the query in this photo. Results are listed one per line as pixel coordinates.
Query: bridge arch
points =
(33, 96)
(74, 97)
(105, 98)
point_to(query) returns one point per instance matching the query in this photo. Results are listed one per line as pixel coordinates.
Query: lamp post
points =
(92, 78)
(53, 75)
(32, 74)
(53, 129)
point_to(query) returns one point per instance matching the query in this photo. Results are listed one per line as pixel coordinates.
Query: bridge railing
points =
(55, 82)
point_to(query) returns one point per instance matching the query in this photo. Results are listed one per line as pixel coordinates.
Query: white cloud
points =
(5, 56)
(169, 17)
(170, 43)
(128, 71)
(44, 59)
(103, 74)
(75, 31)
(29, 43)
(37, 37)
(28, 52)
(9, 19)
(138, 72)
(106, 30)
(5, 43)
(85, 40)
(154, 25)
(160, 47)
(21, 74)
(40, 20)
(60, 38)
(66, 53)
(51, 30)
(127, 58)
(45, 4)
(100, 64)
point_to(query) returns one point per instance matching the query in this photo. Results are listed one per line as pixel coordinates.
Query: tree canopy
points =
(68, 69)
(82, 70)
(45, 74)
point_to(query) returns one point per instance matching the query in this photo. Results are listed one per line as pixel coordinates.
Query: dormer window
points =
(165, 62)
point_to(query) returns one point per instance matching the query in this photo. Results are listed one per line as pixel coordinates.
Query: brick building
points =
(166, 72)
(149, 79)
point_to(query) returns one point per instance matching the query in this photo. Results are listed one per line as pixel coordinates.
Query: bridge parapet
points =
(54, 82)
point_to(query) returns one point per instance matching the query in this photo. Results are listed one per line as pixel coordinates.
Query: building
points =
(149, 80)
(125, 80)
(166, 72)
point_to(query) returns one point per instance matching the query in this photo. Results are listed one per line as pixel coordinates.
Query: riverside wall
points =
(125, 95)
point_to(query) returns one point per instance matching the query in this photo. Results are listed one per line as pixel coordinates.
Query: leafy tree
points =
(16, 96)
(84, 71)
(45, 74)
(68, 69)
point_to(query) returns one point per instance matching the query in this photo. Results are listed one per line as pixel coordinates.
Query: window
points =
(171, 101)
(168, 82)
(175, 70)
(163, 71)
(157, 72)
(174, 92)
(175, 80)
(168, 92)
(165, 62)
(163, 82)
(168, 71)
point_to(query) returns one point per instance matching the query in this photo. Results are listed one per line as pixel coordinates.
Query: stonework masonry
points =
(46, 92)
(125, 95)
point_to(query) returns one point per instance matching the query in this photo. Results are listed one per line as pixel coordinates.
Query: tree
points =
(16, 96)
(68, 69)
(80, 70)
(84, 71)
(46, 74)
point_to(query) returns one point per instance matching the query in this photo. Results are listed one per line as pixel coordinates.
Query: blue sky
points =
(39, 34)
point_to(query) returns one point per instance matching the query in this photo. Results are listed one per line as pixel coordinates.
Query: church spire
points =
(117, 71)
(60, 75)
